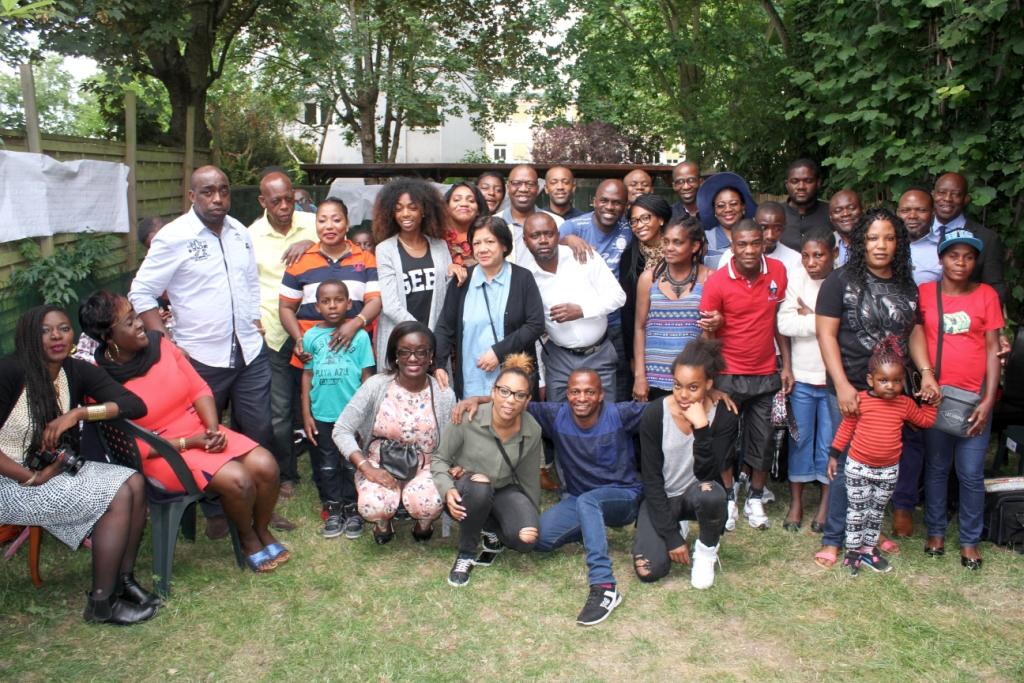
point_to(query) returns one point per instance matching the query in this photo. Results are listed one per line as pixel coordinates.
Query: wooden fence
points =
(159, 173)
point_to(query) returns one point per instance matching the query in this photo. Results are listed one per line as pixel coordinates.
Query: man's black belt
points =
(588, 350)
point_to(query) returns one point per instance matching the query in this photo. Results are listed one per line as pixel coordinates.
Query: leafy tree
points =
(594, 142)
(896, 92)
(183, 45)
(59, 108)
(704, 74)
(380, 67)
(104, 117)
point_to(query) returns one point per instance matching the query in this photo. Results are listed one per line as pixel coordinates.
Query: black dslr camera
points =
(70, 461)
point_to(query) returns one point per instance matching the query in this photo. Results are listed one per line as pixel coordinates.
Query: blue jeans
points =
(584, 518)
(808, 457)
(969, 455)
(835, 520)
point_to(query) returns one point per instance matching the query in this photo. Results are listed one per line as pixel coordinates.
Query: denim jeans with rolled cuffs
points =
(584, 519)
(835, 520)
(808, 457)
(505, 512)
(968, 454)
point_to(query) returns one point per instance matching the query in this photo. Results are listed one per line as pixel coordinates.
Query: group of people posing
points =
(472, 348)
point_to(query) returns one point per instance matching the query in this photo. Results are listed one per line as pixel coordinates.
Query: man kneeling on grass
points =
(597, 466)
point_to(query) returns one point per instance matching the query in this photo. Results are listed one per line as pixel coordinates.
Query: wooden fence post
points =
(190, 155)
(32, 137)
(131, 159)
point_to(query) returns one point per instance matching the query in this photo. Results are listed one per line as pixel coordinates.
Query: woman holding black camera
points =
(42, 481)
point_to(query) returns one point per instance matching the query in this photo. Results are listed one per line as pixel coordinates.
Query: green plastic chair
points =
(168, 512)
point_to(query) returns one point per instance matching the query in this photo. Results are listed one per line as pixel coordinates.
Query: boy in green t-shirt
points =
(330, 379)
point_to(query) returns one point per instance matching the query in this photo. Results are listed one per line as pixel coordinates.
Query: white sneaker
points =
(732, 516)
(702, 576)
(754, 510)
(767, 496)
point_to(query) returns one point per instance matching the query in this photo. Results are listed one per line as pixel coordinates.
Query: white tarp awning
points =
(40, 196)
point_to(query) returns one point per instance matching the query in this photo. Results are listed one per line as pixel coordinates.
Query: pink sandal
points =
(887, 545)
(826, 557)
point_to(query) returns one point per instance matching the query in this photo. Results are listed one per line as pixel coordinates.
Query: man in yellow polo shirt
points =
(279, 238)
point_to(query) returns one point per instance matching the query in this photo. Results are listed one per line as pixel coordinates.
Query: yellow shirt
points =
(270, 246)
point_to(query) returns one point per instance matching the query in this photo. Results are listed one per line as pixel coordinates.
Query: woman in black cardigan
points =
(647, 215)
(497, 312)
(685, 440)
(42, 397)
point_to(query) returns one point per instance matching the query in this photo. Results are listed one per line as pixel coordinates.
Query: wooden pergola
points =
(323, 174)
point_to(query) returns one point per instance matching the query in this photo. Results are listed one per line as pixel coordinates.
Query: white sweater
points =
(808, 367)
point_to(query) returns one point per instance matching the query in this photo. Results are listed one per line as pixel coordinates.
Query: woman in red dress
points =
(181, 409)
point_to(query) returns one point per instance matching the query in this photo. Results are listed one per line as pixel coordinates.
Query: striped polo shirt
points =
(357, 269)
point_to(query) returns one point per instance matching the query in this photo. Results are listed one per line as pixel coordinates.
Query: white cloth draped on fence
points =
(40, 196)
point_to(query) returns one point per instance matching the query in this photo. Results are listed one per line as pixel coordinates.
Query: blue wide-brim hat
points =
(712, 186)
(959, 236)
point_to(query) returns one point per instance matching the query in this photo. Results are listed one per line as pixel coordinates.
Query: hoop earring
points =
(117, 350)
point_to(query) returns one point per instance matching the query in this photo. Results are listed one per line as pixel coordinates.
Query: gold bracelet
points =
(926, 370)
(361, 463)
(182, 444)
(31, 480)
(361, 317)
(95, 413)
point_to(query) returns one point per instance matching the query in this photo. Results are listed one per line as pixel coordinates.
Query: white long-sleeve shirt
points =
(590, 285)
(808, 367)
(213, 285)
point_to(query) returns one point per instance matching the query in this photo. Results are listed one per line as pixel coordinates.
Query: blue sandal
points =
(278, 553)
(261, 562)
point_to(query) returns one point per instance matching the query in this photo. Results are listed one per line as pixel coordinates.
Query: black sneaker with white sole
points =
(600, 604)
(492, 547)
(459, 575)
(353, 526)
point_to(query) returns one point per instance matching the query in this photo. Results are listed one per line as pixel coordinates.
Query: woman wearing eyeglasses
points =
(647, 215)
(497, 313)
(397, 410)
(487, 469)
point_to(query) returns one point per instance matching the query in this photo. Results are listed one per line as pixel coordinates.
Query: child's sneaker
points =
(732, 514)
(875, 562)
(353, 527)
(332, 527)
(851, 562)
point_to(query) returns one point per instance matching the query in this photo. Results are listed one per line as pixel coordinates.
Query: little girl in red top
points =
(873, 462)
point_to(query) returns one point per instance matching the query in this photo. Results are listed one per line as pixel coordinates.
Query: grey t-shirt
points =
(678, 450)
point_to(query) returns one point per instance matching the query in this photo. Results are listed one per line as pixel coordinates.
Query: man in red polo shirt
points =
(746, 292)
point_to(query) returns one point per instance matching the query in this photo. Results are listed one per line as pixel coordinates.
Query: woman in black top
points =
(496, 313)
(647, 215)
(42, 397)
(685, 439)
(870, 298)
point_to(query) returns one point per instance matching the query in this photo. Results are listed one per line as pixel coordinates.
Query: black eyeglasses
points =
(640, 220)
(516, 184)
(505, 392)
(406, 354)
(685, 181)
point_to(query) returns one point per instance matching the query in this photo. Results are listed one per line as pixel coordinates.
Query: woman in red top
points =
(181, 409)
(971, 319)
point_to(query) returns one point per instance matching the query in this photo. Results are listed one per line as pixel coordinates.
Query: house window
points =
(500, 153)
(310, 117)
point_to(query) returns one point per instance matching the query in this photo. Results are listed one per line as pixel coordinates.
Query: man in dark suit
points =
(951, 197)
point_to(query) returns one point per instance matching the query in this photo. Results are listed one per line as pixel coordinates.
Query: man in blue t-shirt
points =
(597, 466)
(606, 231)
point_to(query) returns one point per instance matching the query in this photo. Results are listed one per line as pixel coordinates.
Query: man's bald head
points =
(686, 181)
(277, 197)
(609, 203)
(637, 182)
(844, 211)
(540, 234)
(915, 209)
(523, 188)
(950, 195)
(210, 194)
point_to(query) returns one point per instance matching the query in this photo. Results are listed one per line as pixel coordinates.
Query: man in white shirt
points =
(577, 300)
(205, 262)
(523, 190)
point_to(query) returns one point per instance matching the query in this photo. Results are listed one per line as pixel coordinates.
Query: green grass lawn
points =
(352, 610)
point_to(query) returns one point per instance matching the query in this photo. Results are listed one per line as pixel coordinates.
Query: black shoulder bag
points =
(957, 404)
(402, 460)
